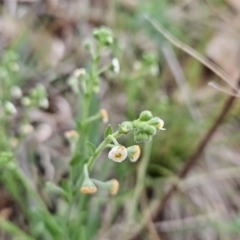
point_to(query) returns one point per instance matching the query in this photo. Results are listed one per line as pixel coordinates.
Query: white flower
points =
(115, 65)
(118, 153)
(16, 92)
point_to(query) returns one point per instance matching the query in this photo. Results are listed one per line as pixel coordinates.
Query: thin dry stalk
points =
(192, 52)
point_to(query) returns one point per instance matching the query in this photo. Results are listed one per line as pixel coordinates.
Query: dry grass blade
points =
(192, 52)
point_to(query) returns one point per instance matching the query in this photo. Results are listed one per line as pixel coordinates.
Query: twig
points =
(192, 52)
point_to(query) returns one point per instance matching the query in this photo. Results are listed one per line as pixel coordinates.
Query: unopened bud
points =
(125, 127)
(10, 109)
(145, 115)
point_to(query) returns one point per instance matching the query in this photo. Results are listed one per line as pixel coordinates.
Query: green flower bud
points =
(157, 123)
(140, 127)
(142, 137)
(145, 115)
(134, 153)
(125, 127)
(9, 108)
(112, 186)
(151, 130)
(43, 103)
(26, 101)
(103, 35)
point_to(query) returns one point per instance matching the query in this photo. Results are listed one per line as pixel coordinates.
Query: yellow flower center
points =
(118, 155)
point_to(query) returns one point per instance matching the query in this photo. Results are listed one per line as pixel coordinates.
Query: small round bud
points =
(142, 137)
(104, 115)
(109, 40)
(88, 187)
(113, 186)
(10, 109)
(26, 101)
(141, 127)
(43, 103)
(125, 127)
(151, 130)
(72, 135)
(134, 153)
(145, 115)
(157, 122)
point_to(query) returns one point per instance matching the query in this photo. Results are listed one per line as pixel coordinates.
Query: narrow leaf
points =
(91, 147)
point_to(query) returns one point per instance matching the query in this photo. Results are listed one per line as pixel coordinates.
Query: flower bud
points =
(151, 130)
(134, 152)
(104, 115)
(10, 109)
(88, 187)
(43, 103)
(103, 35)
(72, 135)
(113, 186)
(141, 127)
(157, 122)
(26, 101)
(145, 115)
(125, 127)
(142, 137)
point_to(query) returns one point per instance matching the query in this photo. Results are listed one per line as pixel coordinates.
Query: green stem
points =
(114, 140)
(140, 179)
(104, 69)
(100, 148)
(86, 171)
(92, 118)
(13, 230)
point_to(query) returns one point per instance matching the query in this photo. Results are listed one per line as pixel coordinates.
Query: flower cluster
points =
(103, 35)
(37, 97)
(146, 127)
(143, 129)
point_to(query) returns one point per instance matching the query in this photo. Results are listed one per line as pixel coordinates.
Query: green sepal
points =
(108, 131)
